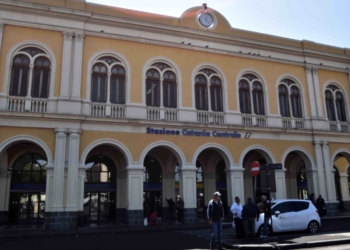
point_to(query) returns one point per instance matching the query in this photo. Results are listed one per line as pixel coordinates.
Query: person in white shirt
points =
(236, 210)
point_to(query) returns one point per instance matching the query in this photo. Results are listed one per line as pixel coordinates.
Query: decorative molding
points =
(67, 36)
(314, 71)
(79, 37)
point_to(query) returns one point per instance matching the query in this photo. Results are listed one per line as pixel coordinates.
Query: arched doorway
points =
(200, 191)
(100, 189)
(338, 187)
(302, 182)
(221, 184)
(152, 188)
(28, 186)
(341, 163)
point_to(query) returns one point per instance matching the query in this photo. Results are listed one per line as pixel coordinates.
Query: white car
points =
(290, 215)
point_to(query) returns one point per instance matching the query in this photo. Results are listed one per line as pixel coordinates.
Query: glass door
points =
(100, 206)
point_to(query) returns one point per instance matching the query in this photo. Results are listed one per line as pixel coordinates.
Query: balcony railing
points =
(16, 104)
(98, 110)
(210, 117)
(253, 120)
(344, 127)
(20, 104)
(107, 110)
(117, 111)
(156, 114)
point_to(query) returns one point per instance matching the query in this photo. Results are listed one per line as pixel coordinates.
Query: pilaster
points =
(168, 191)
(280, 176)
(329, 173)
(66, 64)
(344, 183)
(235, 183)
(5, 182)
(2, 25)
(317, 93)
(134, 194)
(209, 187)
(59, 168)
(121, 198)
(312, 181)
(311, 91)
(188, 192)
(73, 170)
(320, 169)
(77, 66)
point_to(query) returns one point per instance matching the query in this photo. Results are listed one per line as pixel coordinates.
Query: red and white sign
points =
(255, 168)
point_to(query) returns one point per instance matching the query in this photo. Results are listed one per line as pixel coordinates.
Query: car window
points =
(297, 206)
(282, 207)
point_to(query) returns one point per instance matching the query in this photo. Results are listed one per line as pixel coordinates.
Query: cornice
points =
(185, 33)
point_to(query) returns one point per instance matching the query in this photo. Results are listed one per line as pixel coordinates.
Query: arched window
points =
(208, 81)
(254, 98)
(108, 81)
(289, 99)
(335, 104)
(29, 168)
(27, 62)
(103, 170)
(161, 86)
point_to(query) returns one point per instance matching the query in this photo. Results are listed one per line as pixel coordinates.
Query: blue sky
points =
(321, 21)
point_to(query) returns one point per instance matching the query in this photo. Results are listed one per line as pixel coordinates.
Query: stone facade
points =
(61, 220)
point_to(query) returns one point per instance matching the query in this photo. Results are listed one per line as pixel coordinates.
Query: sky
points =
(321, 21)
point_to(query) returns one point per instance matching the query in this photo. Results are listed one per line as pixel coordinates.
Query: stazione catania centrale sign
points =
(201, 133)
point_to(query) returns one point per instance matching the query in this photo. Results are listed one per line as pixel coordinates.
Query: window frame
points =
(295, 107)
(249, 105)
(336, 110)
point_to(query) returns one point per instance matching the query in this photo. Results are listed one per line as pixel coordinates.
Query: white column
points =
(28, 101)
(318, 95)
(66, 64)
(2, 25)
(121, 187)
(73, 170)
(311, 90)
(77, 66)
(349, 78)
(320, 169)
(235, 184)
(108, 104)
(59, 168)
(344, 183)
(134, 190)
(5, 183)
(188, 189)
(208, 95)
(81, 182)
(168, 187)
(280, 176)
(328, 165)
(209, 180)
(49, 187)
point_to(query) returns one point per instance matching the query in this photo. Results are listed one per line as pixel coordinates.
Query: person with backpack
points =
(215, 213)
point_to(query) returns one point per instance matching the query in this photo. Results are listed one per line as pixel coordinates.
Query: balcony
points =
(107, 110)
(337, 126)
(162, 114)
(293, 123)
(210, 117)
(253, 120)
(21, 104)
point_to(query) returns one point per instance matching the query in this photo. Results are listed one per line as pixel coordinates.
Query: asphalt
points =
(334, 231)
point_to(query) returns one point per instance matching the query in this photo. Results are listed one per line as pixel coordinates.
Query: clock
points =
(206, 19)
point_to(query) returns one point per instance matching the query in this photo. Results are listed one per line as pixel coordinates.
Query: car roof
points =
(283, 200)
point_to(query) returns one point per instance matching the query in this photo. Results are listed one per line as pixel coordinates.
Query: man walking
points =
(267, 215)
(236, 210)
(215, 215)
(250, 213)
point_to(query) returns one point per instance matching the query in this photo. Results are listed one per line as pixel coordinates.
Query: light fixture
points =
(89, 165)
(42, 162)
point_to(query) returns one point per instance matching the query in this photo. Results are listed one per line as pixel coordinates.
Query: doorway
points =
(100, 206)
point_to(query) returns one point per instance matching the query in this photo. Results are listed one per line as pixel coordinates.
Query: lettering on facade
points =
(202, 133)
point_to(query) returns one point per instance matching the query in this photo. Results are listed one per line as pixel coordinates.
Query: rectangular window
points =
(169, 94)
(201, 97)
(244, 101)
(296, 107)
(152, 93)
(216, 99)
(330, 109)
(284, 105)
(99, 89)
(117, 90)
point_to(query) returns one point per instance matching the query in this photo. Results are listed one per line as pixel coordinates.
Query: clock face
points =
(206, 20)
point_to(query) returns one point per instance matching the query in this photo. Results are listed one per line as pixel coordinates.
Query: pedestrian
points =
(171, 207)
(180, 211)
(312, 198)
(215, 213)
(145, 212)
(250, 213)
(236, 210)
(153, 218)
(267, 215)
(321, 206)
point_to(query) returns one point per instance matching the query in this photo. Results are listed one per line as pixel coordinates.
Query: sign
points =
(271, 166)
(199, 133)
(255, 168)
(267, 182)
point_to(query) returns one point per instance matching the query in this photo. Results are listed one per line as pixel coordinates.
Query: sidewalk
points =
(14, 231)
(295, 241)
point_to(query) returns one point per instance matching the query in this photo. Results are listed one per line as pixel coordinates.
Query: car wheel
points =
(313, 227)
(260, 231)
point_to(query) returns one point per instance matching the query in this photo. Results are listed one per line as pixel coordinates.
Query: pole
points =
(269, 196)
(254, 189)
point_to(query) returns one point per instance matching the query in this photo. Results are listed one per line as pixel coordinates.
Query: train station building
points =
(104, 111)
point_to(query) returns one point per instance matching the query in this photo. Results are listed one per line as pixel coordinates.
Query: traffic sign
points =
(271, 166)
(255, 168)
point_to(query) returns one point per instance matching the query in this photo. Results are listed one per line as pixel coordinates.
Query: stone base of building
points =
(134, 218)
(61, 220)
(346, 205)
(121, 215)
(190, 216)
(332, 208)
(4, 217)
